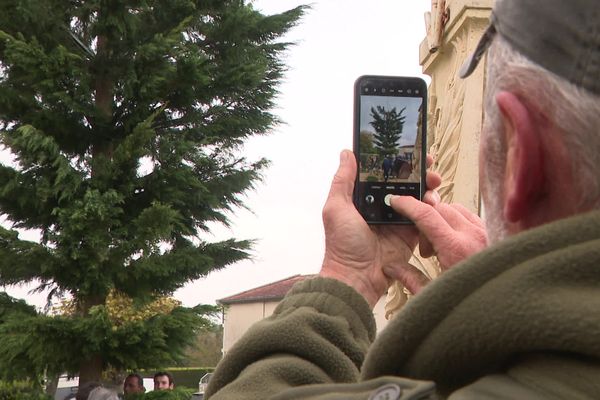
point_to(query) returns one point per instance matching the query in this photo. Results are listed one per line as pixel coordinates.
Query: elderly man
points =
(516, 320)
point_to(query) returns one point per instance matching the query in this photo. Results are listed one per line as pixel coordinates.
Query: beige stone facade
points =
(237, 318)
(456, 106)
(455, 113)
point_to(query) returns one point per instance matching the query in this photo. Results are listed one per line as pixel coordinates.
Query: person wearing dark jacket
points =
(515, 313)
(387, 166)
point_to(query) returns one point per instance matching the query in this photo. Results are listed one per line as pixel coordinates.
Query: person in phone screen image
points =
(386, 166)
(514, 315)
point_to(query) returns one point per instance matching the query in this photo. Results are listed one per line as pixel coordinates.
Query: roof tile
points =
(272, 292)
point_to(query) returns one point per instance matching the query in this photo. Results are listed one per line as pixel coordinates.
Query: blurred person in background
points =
(163, 381)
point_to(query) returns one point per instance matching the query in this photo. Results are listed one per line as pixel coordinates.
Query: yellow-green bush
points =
(21, 390)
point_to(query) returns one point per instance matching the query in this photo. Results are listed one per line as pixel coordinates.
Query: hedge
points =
(21, 390)
(176, 394)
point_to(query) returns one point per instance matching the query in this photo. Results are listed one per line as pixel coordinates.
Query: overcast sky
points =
(337, 41)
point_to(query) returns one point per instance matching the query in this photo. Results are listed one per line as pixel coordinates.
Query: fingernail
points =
(436, 197)
(343, 156)
(388, 200)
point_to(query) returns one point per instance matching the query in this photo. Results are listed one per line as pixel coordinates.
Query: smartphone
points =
(390, 133)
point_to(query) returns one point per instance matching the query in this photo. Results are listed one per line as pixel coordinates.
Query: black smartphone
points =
(390, 133)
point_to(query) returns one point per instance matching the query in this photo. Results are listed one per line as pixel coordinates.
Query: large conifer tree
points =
(388, 125)
(125, 119)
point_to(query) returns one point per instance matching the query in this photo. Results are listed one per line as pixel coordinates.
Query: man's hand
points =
(449, 231)
(355, 253)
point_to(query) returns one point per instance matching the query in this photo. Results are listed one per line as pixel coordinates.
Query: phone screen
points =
(389, 144)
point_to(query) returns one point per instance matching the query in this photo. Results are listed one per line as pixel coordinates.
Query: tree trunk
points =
(104, 102)
(91, 370)
(51, 384)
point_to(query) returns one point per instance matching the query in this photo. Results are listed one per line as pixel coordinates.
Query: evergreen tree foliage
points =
(206, 350)
(13, 309)
(125, 119)
(366, 143)
(388, 125)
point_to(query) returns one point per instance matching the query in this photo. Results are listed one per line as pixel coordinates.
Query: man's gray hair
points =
(576, 112)
(102, 393)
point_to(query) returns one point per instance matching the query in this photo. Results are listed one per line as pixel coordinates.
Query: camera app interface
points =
(390, 145)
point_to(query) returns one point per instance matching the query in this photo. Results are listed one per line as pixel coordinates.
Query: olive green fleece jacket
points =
(520, 320)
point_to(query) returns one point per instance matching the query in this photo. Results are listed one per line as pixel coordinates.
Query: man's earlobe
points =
(524, 175)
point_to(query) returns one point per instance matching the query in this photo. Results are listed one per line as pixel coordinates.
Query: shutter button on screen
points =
(387, 200)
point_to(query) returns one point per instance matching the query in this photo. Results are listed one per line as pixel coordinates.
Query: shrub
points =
(22, 390)
(175, 394)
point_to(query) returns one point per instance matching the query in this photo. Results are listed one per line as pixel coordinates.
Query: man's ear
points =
(524, 176)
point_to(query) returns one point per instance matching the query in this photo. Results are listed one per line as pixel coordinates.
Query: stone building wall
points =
(455, 112)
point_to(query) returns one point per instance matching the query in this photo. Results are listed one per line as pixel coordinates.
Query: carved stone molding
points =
(434, 24)
(446, 116)
(455, 112)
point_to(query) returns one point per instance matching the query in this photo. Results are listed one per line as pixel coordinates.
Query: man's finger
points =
(408, 275)
(453, 216)
(343, 181)
(432, 197)
(429, 160)
(427, 219)
(425, 247)
(472, 217)
(433, 180)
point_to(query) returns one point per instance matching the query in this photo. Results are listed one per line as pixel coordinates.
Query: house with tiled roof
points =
(242, 310)
(271, 292)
